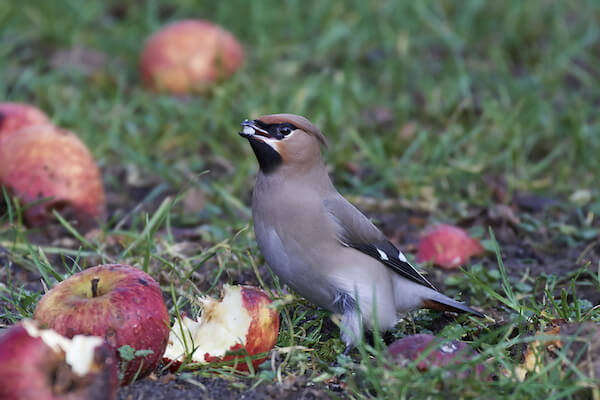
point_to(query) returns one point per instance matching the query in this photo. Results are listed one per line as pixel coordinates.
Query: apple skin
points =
(447, 246)
(261, 335)
(453, 352)
(28, 371)
(43, 161)
(264, 328)
(263, 331)
(128, 310)
(189, 56)
(15, 116)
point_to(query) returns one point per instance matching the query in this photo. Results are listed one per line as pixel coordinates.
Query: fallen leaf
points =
(169, 377)
(407, 132)
(536, 354)
(152, 377)
(193, 201)
(503, 213)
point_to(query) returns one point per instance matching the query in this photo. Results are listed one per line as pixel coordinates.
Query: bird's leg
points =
(350, 326)
(347, 349)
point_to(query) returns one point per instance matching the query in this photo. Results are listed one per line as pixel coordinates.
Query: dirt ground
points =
(216, 388)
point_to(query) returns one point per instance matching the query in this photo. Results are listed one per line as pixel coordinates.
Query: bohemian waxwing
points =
(321, 245)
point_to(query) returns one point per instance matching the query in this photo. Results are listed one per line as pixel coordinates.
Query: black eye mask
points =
(276, 131)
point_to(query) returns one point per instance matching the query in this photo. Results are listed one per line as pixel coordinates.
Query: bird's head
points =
(284, 140)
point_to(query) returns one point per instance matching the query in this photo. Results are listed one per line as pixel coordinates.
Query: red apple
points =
(189, 56)
(439, 353)
(447, 246)
(120, 303)
(38, 364)
(241, 320)
(45, 162)
(14, 116)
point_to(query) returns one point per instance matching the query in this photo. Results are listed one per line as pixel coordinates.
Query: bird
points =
(321, 245)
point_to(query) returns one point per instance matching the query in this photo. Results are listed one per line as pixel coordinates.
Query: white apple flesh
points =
(242, 319)
(40, 364)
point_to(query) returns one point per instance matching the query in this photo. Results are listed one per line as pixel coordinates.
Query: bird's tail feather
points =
(440, 302)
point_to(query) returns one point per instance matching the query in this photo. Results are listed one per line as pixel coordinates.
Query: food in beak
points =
(251, 129)
(247, 131)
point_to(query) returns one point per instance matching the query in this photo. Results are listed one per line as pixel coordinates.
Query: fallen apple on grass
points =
(432, 352)
(242, 320)
(120, 303)
(50, 168)
(447, 246)
(189, 56)
(15, 116)
(37, 364)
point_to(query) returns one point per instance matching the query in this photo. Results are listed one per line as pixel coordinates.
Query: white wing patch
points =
(402, 257)
(382, 254)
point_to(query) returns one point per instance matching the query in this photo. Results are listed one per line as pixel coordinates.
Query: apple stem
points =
(95, 287)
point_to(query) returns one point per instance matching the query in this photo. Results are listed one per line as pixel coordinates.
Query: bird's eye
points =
(285, 130)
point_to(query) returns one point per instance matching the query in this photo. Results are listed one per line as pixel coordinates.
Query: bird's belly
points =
(326, 280)
(309, 281)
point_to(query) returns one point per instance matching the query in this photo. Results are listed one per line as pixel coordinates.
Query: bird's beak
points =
(251, 129)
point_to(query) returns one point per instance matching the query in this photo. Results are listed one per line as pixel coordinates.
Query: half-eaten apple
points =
(243, 322)
(40, 364)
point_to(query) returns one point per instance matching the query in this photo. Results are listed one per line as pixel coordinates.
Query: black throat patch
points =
(268, 159)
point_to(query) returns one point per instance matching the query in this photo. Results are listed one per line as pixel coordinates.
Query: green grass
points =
(474, 90)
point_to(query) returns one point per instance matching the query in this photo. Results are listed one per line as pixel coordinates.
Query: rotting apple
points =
(50, 168)
(15, 116)
(447, 246)
(37, 364)
(439, 353)
(118, 302)
(242, 320)
(189, 56)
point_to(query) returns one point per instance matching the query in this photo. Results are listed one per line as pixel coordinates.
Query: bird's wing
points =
(355, 230)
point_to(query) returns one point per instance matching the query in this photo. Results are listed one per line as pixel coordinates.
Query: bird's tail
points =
(438, 301)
